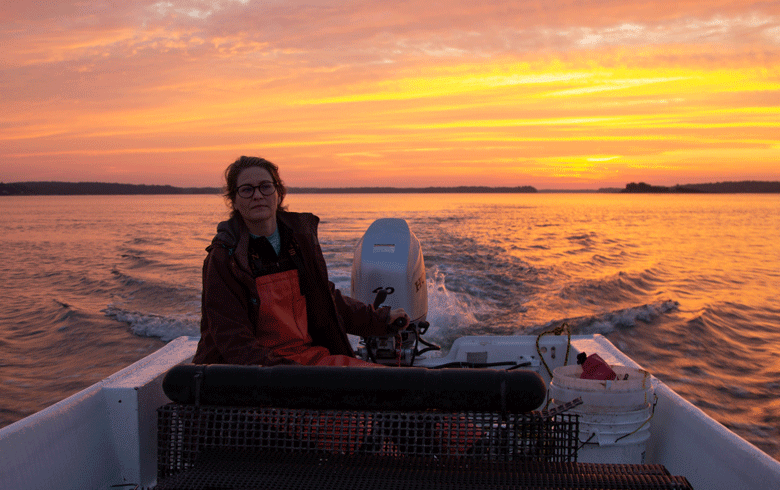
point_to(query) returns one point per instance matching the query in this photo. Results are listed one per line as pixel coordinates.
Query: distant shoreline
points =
(102, 188)
(742, 187)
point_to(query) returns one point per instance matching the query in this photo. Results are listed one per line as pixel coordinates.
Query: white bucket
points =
(615, 415)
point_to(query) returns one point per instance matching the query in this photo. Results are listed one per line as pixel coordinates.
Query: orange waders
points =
(283, 323)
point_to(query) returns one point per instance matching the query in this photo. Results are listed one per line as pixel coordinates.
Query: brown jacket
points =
(230, 302)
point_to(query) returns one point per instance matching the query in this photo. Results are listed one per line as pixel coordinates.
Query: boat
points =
(107, 436)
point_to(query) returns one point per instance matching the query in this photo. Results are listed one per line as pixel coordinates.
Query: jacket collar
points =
(234, 235)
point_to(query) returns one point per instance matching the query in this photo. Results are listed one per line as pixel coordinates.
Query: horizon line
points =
(85, 188)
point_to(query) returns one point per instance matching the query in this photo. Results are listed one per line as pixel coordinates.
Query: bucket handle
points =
(605, 441)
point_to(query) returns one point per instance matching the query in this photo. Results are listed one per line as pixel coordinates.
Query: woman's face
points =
(258, 211)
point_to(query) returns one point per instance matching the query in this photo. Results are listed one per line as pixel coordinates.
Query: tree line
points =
(742, 187)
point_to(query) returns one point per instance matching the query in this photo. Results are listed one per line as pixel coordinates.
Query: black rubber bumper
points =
(356, 388)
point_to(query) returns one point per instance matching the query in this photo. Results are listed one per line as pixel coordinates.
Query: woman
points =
(267, 299)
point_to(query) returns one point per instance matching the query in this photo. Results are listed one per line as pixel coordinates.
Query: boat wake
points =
(613, 320)
(165, 327)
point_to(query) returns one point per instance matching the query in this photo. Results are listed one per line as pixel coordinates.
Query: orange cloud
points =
(551, 94)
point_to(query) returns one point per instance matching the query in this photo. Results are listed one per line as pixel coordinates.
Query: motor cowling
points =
(389, 257)
(388, 270)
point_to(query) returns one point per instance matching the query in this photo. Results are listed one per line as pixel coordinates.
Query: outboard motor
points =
(388, 270)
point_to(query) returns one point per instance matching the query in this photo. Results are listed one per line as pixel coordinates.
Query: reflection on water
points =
(686, 285)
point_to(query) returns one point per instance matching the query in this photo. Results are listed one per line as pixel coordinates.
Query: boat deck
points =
(287, 471)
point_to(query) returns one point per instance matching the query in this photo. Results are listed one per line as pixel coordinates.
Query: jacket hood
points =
(228, 233)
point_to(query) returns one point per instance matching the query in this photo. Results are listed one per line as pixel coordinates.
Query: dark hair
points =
(235, 168)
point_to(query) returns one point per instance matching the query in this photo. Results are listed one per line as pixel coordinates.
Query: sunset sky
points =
(557, 94)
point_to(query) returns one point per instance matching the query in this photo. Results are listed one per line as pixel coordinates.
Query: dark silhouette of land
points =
(743, 187)
(98, 188)
(101, 188)
(409, 190)
(95, 188)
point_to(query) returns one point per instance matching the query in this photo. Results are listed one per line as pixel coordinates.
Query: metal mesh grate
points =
(187, 432)
(280, 471)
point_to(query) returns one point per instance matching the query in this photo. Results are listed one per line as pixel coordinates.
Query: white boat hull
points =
(105, 435)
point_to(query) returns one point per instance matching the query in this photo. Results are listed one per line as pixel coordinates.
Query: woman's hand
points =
(398, 319)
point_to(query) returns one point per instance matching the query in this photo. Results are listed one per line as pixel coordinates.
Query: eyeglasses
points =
(266, 188)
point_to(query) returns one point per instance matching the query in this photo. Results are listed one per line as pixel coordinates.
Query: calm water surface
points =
(686, 285)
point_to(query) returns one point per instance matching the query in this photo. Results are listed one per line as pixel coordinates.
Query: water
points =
(686, 285)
